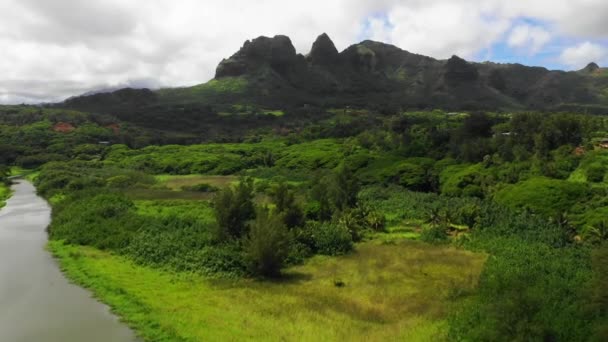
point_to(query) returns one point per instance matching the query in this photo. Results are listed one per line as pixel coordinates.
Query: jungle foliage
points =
(529, 189)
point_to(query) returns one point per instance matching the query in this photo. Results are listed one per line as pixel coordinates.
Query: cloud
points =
(529, 38)
(108, 18)
(46, 45)
(444, 28)
(580, 55)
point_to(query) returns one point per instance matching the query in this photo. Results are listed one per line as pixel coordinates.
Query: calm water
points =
(36, 302)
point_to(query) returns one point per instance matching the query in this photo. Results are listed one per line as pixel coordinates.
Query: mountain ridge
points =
(271, 73)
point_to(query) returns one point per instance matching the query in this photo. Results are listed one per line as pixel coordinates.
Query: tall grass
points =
(398, 291)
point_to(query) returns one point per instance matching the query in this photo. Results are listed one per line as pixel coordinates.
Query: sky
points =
(54, 49)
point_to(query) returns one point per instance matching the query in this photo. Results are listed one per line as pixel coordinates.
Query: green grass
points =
(393, 291)
(178, 182)
(161, 194)
(199, 210)
(274, 112)
(205, 91)
(592, 158)
(5, 193)
(28, 174)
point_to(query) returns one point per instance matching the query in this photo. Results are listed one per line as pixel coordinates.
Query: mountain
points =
(372, 73)
(268, 72)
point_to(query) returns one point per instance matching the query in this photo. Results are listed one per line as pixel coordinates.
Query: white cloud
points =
(443, 28)
(100, 43)
(580, 55)
(529, 38)
(378, 29)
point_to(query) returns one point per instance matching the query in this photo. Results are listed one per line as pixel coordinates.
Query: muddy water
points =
(37, 303)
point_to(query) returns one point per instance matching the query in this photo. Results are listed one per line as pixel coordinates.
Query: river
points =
(37, 303)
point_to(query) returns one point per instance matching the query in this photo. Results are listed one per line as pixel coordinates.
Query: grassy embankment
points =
(5, 190)
(5, 193)
(398, 291)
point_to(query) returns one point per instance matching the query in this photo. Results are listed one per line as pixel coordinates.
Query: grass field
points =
(397, 291)
(177, 182)
(160, 194)
(199, 210)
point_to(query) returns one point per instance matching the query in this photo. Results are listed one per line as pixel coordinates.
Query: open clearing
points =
(396, 291)
(177, 182)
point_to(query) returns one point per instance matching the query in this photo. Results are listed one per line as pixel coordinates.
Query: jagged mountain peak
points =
(370, 73)
(591, 67)
(277, 52)
(323, 51)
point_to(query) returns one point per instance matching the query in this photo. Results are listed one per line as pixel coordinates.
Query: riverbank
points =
(5, 194)
(38, 302)
(14, 174)
(390, 291)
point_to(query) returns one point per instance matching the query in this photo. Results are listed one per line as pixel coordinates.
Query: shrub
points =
(434, 234)
(376, 221)
(331, 239)
(201, 187)
(105, 220)
(120, 181)
(596, 173)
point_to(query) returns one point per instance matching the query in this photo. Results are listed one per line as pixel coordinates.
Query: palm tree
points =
(598, 232)
(434, 217)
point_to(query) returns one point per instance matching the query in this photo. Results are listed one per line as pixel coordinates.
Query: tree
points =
(3, 173)
(285, 201)
(434, 217)
(477, 124)
(267, 245)
(599, 289)
(233, 207)
(598, 232)
(320, 206)
(344, 188)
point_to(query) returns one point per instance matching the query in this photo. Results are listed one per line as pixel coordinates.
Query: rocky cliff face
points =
(323, 52)
(457, 70)
(277, 52)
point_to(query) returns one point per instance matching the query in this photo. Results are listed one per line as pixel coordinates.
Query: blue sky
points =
(549, 56)
(526, 39)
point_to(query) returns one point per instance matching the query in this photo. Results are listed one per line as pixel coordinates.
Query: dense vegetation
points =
(528, 189)
(4, 190)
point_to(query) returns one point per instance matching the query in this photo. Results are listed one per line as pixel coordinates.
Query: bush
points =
(376, 221)
(120, 181)
(201, 187)
(434, 234)
(596, 173)
(105, 220)
(331, 239)
(267, 246)
(34, 161)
